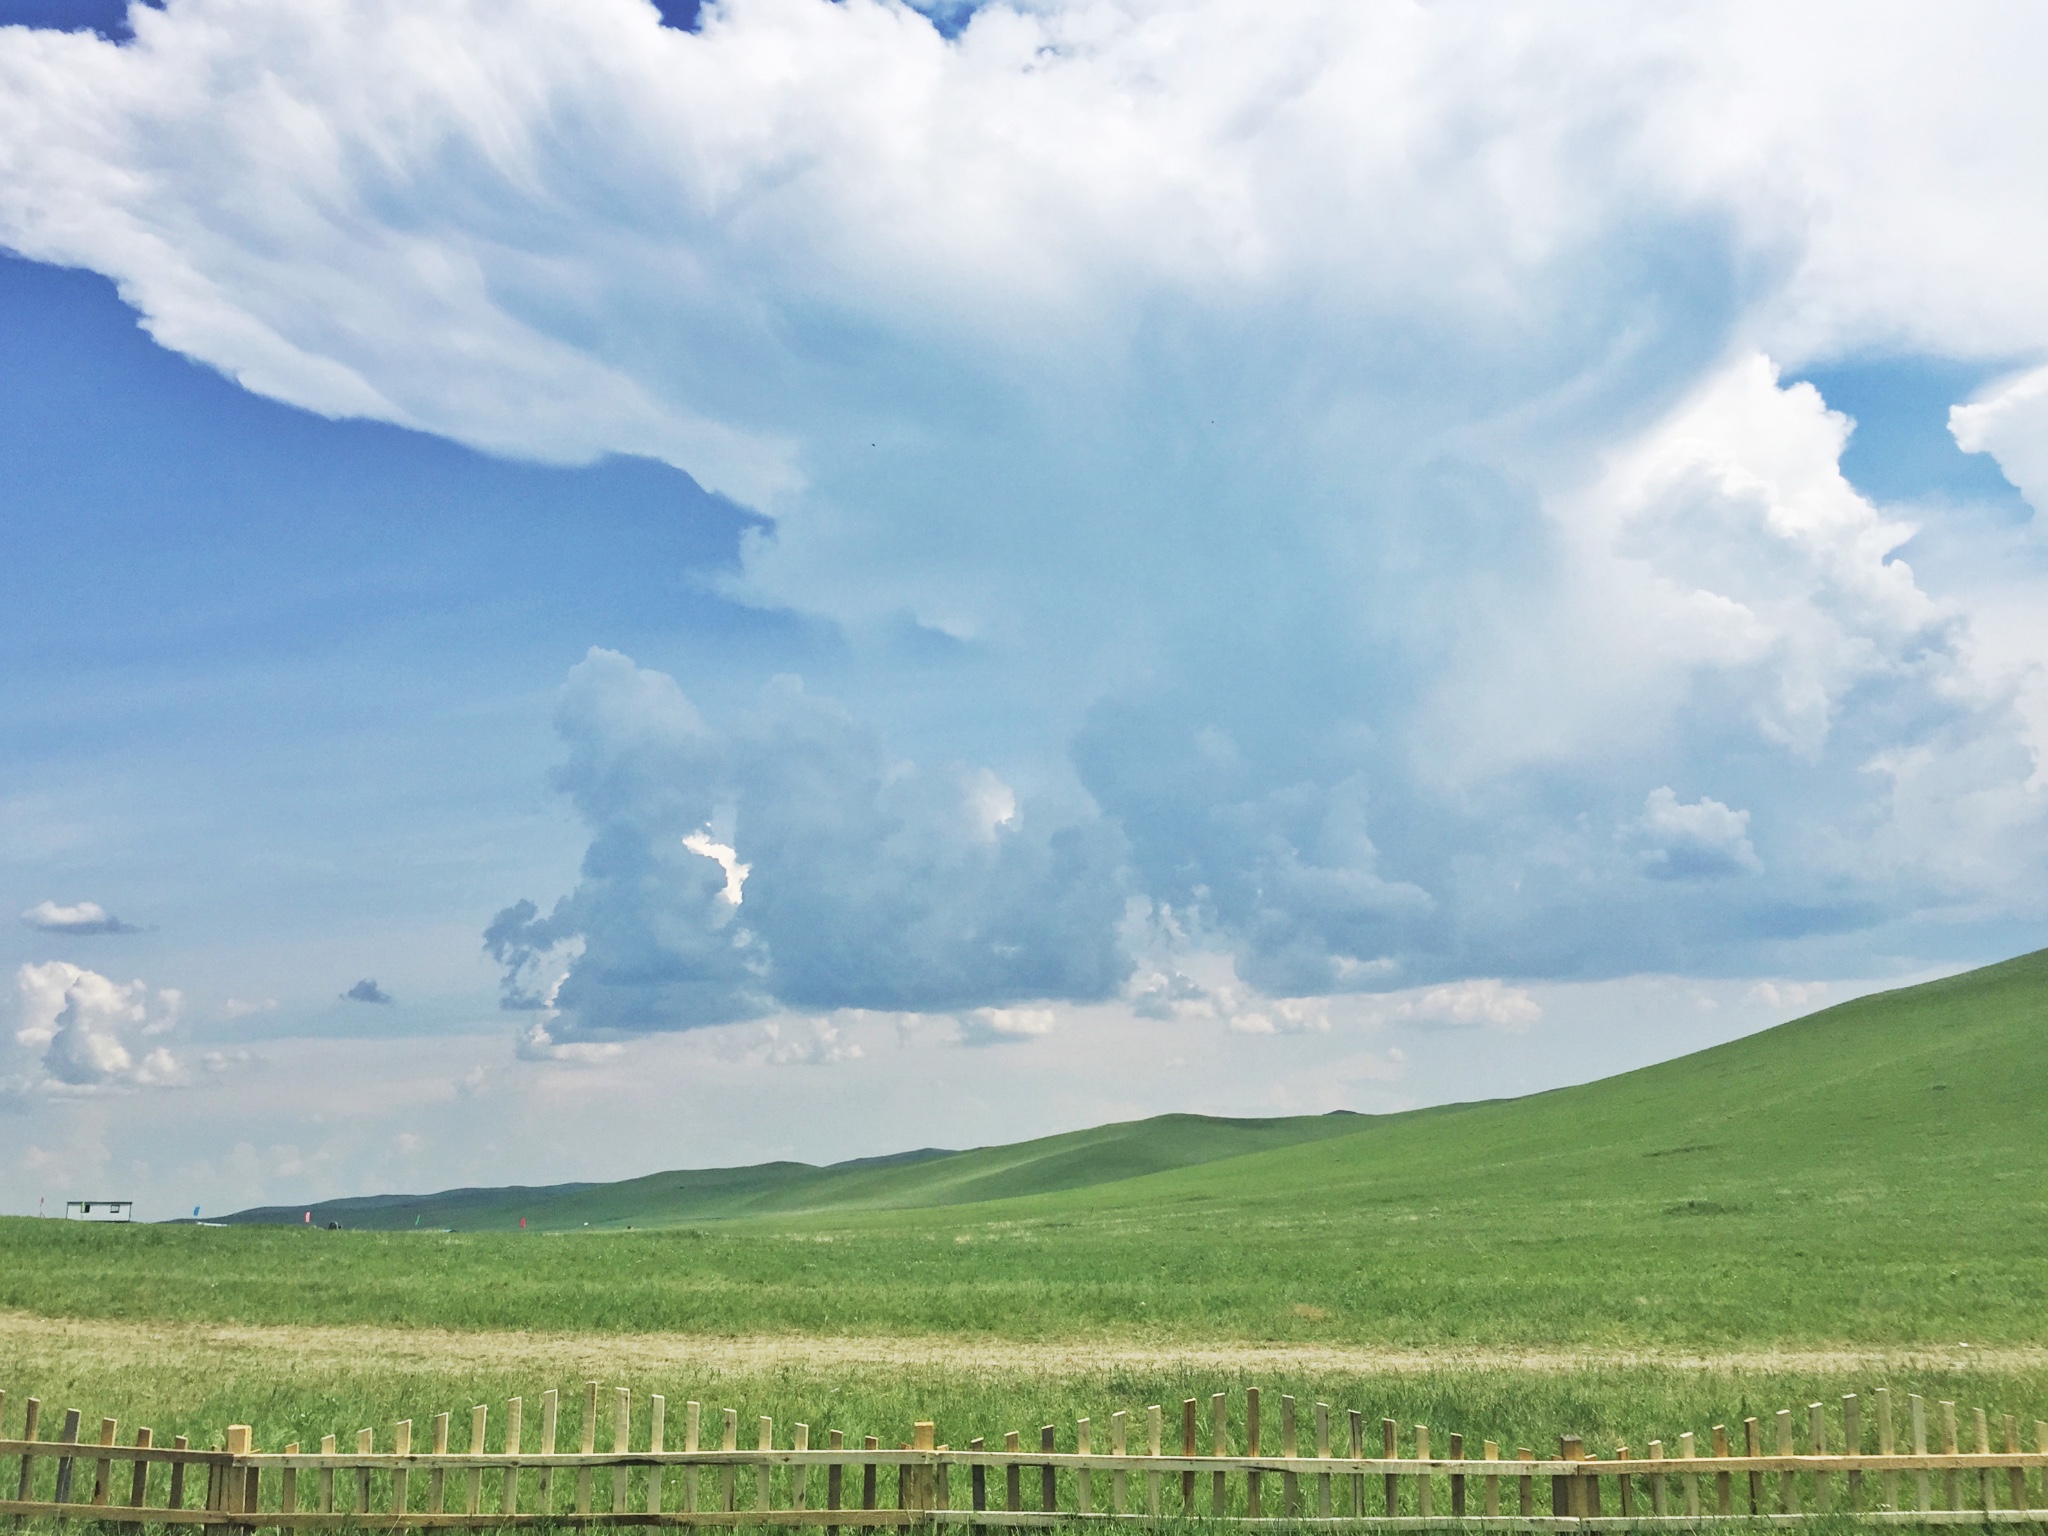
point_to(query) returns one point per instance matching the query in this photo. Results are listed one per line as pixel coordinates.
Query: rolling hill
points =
(1876, 1173)
(907, 1180)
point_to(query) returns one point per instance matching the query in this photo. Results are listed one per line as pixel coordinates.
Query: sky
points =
(591, 587)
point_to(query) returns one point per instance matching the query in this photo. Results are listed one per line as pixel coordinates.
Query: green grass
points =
(909, 1180)
(1870, 1174)
(179, 1393)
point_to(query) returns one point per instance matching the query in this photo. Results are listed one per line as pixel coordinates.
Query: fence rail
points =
(1824, 1467)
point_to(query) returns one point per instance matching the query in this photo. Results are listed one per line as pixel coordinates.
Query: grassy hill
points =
(1873, 1173)
(908, 1180)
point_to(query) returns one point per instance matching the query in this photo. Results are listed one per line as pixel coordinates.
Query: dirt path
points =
(26, 1336)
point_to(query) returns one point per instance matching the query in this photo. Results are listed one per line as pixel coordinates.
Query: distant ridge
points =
(928, 1176)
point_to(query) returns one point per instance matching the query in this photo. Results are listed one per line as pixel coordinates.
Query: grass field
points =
(190, 1382)
(1868, 1180)
(924, 1178)
(1870, 1174)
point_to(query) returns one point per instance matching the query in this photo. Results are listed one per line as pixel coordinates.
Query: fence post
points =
(515, 1410)
(2016, 1477)
(1817, 1443)
(622, 1442)
(1987, 1484)
(1152, 1431)
(924, 1435)
(977, 1481)
(1290, 1483)
(693, 1426)
(68, 1435)
(1888, 1484)
(1251, 1448)
(235, 1498)
(103, 1471)
(31, 1420)
(473, 1503)
(1084, 1475)
(1048, 1478)
(366, 1445)
(1724, 1490)
(1788, 1488)
(1119, 1481)
(1219, 1439)
(1951, 1497)
(729, 1486)
(1357, 1479)
(550, 1415)
(138, 1490)
(1852, 1444)
(585, 1476)
(835, 1477)
(657, 1441)
(1390, 1450)
(1425, 1483)
(401, 1475)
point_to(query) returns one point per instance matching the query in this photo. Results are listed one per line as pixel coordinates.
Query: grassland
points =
(1831, 1206)
(1870, 1175)
(910, 1180)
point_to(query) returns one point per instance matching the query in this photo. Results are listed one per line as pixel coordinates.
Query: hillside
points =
(1876, 1173)
(907, 1180)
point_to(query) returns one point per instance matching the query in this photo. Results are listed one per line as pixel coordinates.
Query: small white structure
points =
(99, 1210)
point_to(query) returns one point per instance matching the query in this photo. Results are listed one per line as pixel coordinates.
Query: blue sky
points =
(606, 596)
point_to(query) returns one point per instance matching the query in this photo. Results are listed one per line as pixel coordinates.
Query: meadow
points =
(1851, 1200)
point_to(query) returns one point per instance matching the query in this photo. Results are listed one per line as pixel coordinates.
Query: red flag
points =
(522, 1223)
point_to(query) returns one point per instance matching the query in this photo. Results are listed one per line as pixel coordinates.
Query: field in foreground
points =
(186, 1379)
(1870, 1175)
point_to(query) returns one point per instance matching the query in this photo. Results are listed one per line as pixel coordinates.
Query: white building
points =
(99, 1210)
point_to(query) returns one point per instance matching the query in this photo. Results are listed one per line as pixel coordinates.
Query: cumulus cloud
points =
(538, 1043)
(80, 918)
(1342, 447)
(367, 991)
(1005, 1026)
(1483, 1001)
(76, 1030)
(849, 879)
(1788, 994)
(1159, 989)
(1701, 841)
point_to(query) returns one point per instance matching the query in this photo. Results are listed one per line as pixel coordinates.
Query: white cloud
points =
(872, 884)
(1004, 1026)
(538, 1043)
(1787, 994)
(1344, 442)
(247, 1007)
(2009, 421)
(806, 1043)
(726, 859)
(79, 918)
(77, 1030)
(1485, 1001)
(1699, 841)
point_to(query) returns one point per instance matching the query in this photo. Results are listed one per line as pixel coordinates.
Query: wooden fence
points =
(1149, 1471)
